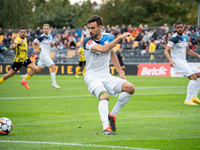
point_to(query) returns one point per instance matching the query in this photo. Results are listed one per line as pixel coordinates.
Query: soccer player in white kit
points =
(98, 52)
(46, 43)
(178, 45)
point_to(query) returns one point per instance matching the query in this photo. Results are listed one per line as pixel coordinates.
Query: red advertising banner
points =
(158, 69)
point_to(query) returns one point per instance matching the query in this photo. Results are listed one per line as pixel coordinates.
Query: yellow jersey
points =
(80, 50)
(152, 47)
(21, 50)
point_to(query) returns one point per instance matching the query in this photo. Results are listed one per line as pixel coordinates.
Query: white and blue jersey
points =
(178, 45)
(96, 62)
(45, 44)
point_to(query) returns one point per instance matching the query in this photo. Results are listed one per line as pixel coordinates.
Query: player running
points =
(81, 62)
(21, 58)
(98, 52)
(178, 45)
(46, 43)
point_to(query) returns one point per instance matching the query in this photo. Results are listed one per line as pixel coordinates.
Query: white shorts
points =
(184, 68)
(107, 81)
(45, 62)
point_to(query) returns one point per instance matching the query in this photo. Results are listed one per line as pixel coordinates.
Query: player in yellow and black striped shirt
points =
(21, 58)
(82, 61)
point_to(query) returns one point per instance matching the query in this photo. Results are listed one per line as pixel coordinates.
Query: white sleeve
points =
(90, 44)
(170, 43)
(36, 40)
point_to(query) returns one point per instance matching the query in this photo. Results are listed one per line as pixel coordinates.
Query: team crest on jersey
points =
(106, 42)
(90, 42)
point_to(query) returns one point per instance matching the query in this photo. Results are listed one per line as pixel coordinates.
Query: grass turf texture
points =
(154, 118)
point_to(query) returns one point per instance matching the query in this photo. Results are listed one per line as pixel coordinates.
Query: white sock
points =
(122, 100)
(197, 87)
(53, 77)
(103, 111)
(190, 90)
(25, 77)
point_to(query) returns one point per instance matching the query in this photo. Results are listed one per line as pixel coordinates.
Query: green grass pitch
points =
(67, 118)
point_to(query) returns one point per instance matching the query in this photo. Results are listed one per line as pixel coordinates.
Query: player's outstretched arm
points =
(14, 45)
(190, 52)
(107, 47)
(33, 45)
(115, 62)
(166, 53)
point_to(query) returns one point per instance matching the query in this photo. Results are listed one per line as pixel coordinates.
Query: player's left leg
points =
(127, 90)
(53, 76)
(103, 97)
(7, 75)
(29, 64)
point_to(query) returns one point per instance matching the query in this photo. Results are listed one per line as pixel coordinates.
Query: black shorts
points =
(17, 65)
(82, 63)
(121, 63)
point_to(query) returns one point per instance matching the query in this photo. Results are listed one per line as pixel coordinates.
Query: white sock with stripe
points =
(103, 111)
(190, 90)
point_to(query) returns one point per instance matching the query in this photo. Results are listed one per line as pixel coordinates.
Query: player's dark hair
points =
(22, 28)
(179, 22)
(97, 19)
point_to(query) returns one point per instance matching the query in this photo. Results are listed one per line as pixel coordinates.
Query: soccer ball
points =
(5, 126)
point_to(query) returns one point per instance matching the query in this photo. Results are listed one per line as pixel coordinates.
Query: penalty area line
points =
(43, 97)
(76, 144)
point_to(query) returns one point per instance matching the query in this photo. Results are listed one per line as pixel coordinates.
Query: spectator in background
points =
(103, 29)
(37, 31)
(41, 32)
(1, 31)
(197, 46)
(72, 42)
(145, 49)
(33, 34)
(5, 40)
(129, 28)
(191, 46)
(196, 33)
(173, 29)
(29, 32)
(78, 32)
(118, 30)
(55, 31)
(155, 34)
(140, 28)
(150, 33)
(123, 29)
(145, 37)
(139, 37)
(166, 28)
(152, 50)
(30, 48)
(86, 31)
(63, 30)
(69, 29)
(2, 51)
(65, 44)
(108, 29)
(123, 44)
(9, 32)
(51, 31)
(135, 32)
(146, 28)
(73, 32)
(161, 31)
(76, 37)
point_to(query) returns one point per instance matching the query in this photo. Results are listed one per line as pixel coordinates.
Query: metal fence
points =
(130, 56)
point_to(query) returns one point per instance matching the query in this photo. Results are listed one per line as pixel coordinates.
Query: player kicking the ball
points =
(178, 45)
(21, 59)
(46, 43)
(98, 52)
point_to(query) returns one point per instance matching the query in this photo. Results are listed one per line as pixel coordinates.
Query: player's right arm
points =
(107, 47)
(166, 53)
(16, 43)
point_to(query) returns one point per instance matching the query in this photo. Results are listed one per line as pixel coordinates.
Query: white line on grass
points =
(75, 144)
(11, 98)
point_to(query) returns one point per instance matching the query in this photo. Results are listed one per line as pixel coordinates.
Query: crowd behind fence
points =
(135, 48)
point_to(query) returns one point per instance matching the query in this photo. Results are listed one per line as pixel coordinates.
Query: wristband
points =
(18, 44)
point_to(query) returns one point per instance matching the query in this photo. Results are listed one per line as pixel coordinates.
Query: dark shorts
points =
(17, 65)
(82, 63)
(121, 63)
